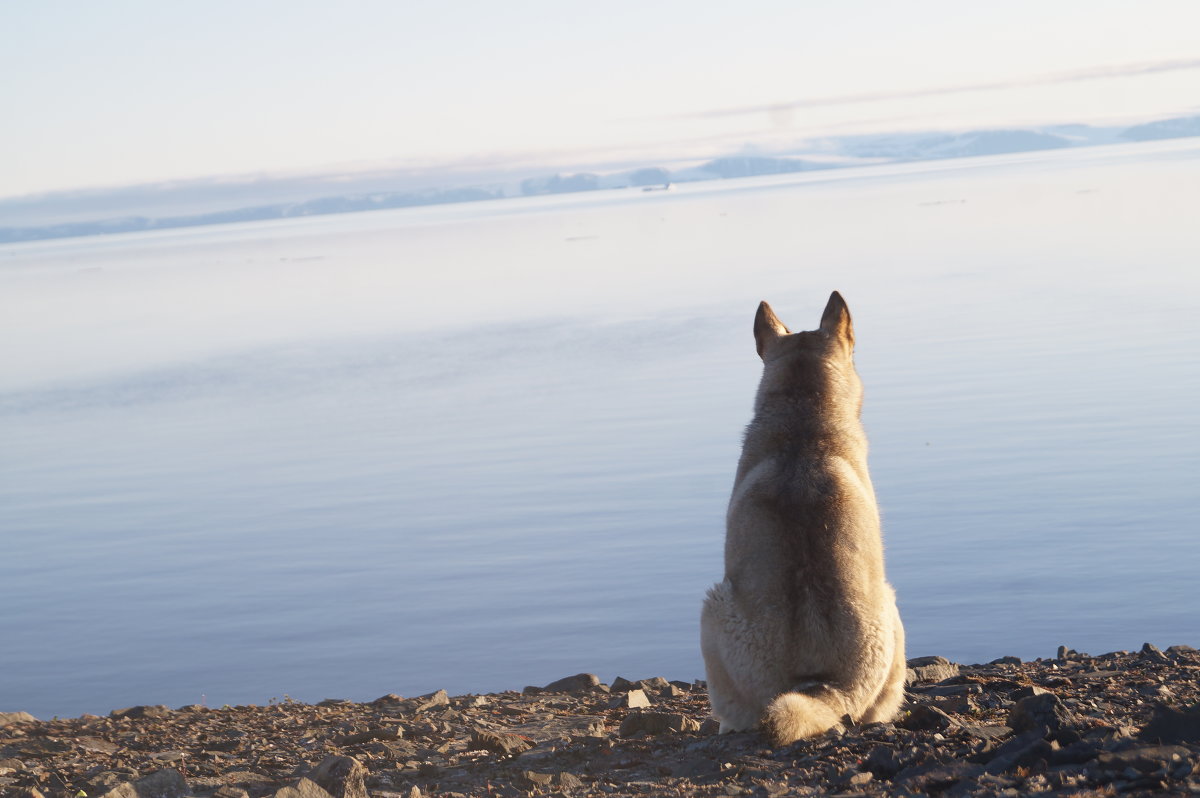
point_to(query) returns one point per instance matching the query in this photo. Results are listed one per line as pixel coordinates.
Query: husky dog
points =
(803, 631)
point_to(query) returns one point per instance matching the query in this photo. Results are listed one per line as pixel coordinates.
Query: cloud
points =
(1071, 76)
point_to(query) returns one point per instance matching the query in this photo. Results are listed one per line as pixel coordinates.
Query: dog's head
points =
(814, 366)
(835, 335)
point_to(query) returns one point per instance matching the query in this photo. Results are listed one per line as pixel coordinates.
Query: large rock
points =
(1146, 759)
(166, 783)
(924, 717)
(15, 717)
(657, 723)
(930, 669)
(573, 684)
(1046, 710)
(156, 711)
(304, 788)
(1173, 726)
(498, 742)
(341, 777)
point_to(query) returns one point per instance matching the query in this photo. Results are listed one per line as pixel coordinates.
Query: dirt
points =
(1120, 723)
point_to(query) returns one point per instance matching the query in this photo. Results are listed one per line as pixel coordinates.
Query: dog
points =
(803, 633)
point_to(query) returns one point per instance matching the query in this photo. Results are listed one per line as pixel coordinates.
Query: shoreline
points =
(1123, 722)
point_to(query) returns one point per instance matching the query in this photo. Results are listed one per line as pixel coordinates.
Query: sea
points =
(482, 446)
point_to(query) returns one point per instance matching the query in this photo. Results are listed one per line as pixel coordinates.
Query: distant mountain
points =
(754, 165)
(962, 145)
(1166, 129)
(837, 153)
(316, 207)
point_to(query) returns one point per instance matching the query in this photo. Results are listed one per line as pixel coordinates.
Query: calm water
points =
(485, 446)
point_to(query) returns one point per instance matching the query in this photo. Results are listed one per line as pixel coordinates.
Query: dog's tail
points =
(793, 716)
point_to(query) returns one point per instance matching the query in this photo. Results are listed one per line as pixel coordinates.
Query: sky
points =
(128, 92)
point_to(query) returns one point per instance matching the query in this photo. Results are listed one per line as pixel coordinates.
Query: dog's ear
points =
(835, 321)
(767, 329)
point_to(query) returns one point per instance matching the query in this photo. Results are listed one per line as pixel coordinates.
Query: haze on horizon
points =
(136, 92)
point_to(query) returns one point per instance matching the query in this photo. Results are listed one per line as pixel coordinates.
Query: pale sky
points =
(122, 92)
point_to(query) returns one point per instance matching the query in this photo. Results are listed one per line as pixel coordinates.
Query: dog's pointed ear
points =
(835, 321)
(767, 329)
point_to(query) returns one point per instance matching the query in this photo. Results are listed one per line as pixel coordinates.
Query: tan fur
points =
(803, 631)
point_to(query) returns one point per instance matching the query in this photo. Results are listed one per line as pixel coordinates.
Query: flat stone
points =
(498, 742)
(43, 747)
(341, 777)
(1006, 661)
(656, 723)
(166, 783)
(986, 731)
(379, 733)
(557, 728)
(97, 745)
(1146, 759)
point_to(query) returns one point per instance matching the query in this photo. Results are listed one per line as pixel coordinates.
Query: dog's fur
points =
(803, 631)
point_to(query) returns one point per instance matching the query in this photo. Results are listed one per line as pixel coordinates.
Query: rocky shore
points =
(1120, 723)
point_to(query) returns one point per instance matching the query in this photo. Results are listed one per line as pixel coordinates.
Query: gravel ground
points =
(1120, 723)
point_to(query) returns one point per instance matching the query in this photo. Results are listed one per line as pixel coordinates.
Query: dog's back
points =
(803, 630)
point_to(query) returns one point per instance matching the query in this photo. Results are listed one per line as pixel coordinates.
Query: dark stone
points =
(341, 777)
(1027, 691)
(1151, 652)
(1147, 759)
(1013, 744)
(935, 776)
(1075, 754)
(1178, 651)
(1040, 710)
(885, 762)
(390, 698)
(924, 717)
(1173, 726)
(573, 684)
(498, 742)
(696, 767)
(1020, 756)
(1006, 661)
(156, 711)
